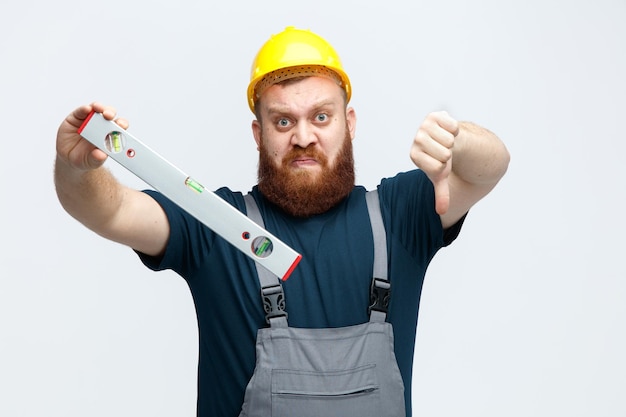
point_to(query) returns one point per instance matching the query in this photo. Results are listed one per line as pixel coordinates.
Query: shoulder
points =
(176, 214)
(234, 198)
(412, 178)
(410, 186)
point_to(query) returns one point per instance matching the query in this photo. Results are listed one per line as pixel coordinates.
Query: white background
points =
(523, 316)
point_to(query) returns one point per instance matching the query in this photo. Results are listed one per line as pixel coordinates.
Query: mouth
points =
(304, 161)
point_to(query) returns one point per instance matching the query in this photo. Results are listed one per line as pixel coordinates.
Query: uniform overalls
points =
(347, 371)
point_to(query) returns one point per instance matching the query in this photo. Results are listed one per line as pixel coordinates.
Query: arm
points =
(464, 161)
(90, 193)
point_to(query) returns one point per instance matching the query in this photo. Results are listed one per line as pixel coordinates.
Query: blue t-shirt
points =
(329, 287)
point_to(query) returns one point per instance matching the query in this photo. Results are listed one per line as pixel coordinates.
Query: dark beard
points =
(301, 194)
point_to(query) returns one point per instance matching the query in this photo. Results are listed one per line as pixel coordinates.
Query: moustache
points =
(309, 152)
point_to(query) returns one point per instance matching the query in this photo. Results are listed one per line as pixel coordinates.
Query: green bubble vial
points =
(117, 141)
(262, 247)
(114, 142)
(194, 185)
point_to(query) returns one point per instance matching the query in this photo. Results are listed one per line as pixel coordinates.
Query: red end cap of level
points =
(293, 266)
(80, 129)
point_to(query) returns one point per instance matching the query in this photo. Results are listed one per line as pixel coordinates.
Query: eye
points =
(321, 117)
(282, 122)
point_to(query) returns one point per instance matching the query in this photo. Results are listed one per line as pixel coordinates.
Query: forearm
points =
(93, 197)
(479, 157)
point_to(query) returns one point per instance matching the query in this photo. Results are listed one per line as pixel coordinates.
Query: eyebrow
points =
(282, 109)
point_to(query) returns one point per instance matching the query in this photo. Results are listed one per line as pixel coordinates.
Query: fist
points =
(431, 151)
(72, 148)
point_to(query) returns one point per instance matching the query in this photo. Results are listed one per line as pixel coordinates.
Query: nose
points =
(303, 135)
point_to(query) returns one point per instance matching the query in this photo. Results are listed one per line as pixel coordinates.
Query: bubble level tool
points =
(191, 196)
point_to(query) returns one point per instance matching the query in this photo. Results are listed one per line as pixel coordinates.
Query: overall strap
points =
(380, 291)
(272, 292)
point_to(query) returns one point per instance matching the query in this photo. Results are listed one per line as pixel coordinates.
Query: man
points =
(306, 194)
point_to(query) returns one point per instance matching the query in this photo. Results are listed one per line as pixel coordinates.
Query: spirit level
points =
(218, 215)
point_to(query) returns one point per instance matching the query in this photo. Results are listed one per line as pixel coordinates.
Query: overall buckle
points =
(380, 294)
(273, 302)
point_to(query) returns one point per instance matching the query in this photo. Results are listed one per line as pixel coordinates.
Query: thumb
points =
(442, 196)
(96, 158)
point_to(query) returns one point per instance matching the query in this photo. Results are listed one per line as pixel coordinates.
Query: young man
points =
(306, 195)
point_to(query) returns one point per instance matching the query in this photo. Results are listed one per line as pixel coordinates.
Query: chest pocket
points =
(347, 371)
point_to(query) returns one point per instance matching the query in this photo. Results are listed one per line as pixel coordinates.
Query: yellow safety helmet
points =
(293, 53)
